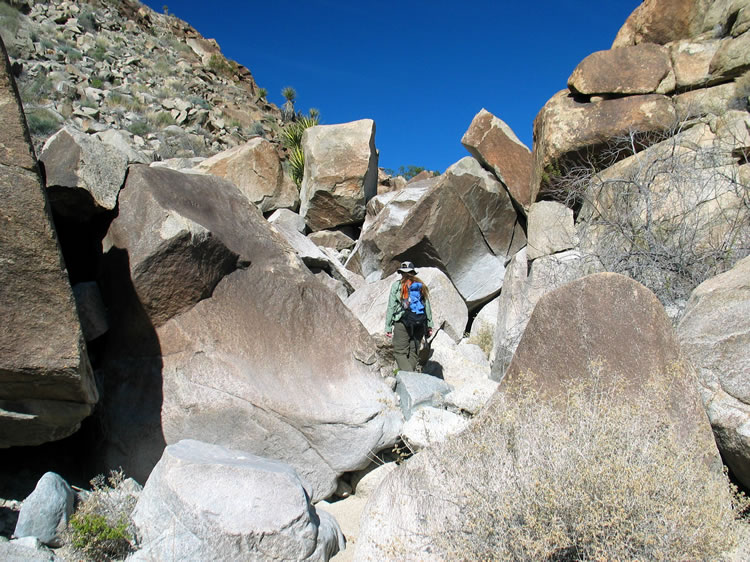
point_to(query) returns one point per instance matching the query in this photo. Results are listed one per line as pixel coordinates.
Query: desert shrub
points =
(219, 65)
(256, 130)
(599, 476)
(160, 119)
(483, 338)
(9, 20)
(262, 93)
(140, 128)
(100, 529)
(291, 138)
(675, 216)
(42, 122)
(87, 20)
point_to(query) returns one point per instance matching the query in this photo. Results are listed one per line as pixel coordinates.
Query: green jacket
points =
(396, 310)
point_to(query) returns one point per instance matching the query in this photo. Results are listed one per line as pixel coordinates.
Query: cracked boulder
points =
(464, 225)
(270, 361)
(46, 383)
(255, 168)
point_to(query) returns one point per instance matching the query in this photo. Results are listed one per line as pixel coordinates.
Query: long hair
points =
(410, 278)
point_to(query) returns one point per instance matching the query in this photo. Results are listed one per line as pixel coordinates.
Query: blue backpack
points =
(415, 298)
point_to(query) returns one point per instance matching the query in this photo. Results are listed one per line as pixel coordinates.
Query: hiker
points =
(409, 317)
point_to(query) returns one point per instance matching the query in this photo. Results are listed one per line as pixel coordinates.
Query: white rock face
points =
(715, 334)
(431, 425)
(205, 502)
(341, 173)
(550, 229)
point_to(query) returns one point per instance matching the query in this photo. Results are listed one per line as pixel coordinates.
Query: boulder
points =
(705, 101)
(484, 323)
(206, 502)
(715, 335)
(174, 261)
(429, 426)
(641, 69)
(46, 383)
(662, 21)
(732, 58)
(118, 139)
(306, 249)
(550, 229)
(272, 362)
(568, 131)
(369, 303)
(84, 175)
(255, 168)
(341, 173)
(489, 205)
(332, 239)
(91, 309)
(418, 390)
(458, 368)
(493, 143)
(27, 549)
(440, 231)
(395, 204)
(289, 218)
(47, 510)
(522, 288)
(691, 61)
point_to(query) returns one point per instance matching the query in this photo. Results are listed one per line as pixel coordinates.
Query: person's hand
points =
(429, 332)
(389, 334)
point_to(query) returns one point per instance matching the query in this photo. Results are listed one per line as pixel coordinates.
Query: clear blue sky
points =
(420, 69)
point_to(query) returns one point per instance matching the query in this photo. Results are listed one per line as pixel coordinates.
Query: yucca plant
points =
(287, 110)
(291, 138)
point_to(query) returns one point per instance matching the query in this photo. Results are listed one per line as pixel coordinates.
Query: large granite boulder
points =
(691, 61)
(662, 21)
(205, 502)
(496, 146)
(641, 69)
(271, 362)
(84, 175)
(568, 132)
(46, 384)
(341, 173)
(370, 302)
(256, 169)
(715, 335)
(576, 329)
(447, 229)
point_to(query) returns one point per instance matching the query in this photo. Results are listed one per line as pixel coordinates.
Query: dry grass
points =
(602, 479)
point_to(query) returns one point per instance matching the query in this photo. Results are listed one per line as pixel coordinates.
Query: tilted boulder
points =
(46, 383)
(641, 69)
(715, 335)
(255, 168)
(496, 146)
(84, 175)
(205, 502)
(691, 61)
(448, 229)
(568, 132)
(272, 363)
(341, 173)
(370, 303)
(732, 57)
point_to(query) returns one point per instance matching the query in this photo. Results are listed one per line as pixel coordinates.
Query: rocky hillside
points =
(118, 65)
(214, 329)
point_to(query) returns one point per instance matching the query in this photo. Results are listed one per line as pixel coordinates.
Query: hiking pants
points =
(405, 351)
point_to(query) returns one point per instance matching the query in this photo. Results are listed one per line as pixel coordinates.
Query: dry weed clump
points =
(604, 478)
(101, 529)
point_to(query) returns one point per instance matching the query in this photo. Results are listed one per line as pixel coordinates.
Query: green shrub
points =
(87, 20)
(262, 93)
(291, 138)
(600, 476)
(140, 128)
(483, 338)
(41, 122)
(97, 83)
(9, 20)
(219, 65)
(100, 529)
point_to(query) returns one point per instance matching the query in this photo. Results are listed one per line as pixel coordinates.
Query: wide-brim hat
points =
(407, 267)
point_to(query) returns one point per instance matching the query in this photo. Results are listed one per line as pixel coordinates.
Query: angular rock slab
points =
(255, 168)
(272, 363)
(439, 230)
(491, 141)
(370, 302)
(84, 175)
(418, 390)
(715, 335)
(46, 383)
(550, 229)
(567, 130)
(641, 69)
(205, 502)
(341, 173)
(662, 21)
